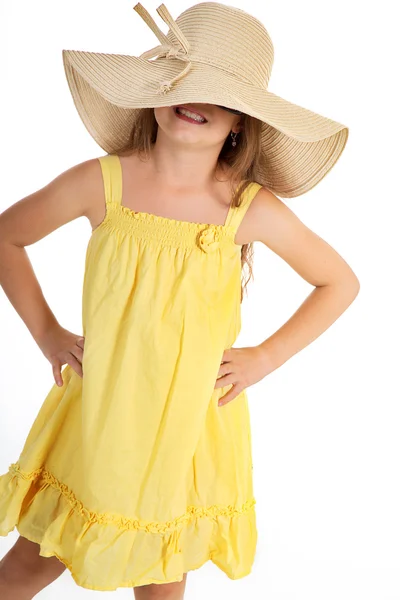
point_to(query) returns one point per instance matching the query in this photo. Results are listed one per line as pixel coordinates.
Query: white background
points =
(325, 425)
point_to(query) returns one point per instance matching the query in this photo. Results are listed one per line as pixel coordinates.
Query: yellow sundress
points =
(132, 474)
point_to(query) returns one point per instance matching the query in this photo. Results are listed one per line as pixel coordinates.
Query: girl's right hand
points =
(61, 346)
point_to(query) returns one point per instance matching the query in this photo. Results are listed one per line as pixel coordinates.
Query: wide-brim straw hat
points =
(215, 54)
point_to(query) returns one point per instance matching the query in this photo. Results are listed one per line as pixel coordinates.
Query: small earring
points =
(233, 136)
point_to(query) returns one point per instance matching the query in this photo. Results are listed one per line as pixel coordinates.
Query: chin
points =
(187, 140)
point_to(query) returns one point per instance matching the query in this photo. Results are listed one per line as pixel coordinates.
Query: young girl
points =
(138, 467)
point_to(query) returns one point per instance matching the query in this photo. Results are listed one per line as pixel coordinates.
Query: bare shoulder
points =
(270, 221)
(265, 213)
(77, 191)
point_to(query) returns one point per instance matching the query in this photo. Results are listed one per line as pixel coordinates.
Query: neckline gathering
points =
(166, 230)
(154, 217)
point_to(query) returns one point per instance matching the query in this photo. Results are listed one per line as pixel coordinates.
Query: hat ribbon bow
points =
(178, 50)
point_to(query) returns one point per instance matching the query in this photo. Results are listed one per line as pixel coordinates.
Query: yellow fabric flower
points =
(209, 239)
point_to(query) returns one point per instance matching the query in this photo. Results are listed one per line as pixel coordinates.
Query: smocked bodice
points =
(170, 232)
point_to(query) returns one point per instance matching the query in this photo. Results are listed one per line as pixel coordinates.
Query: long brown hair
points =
(244, 160)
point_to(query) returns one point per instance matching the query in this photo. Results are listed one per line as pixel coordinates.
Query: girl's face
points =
(182, 128)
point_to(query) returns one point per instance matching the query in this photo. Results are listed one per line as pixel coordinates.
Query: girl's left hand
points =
(241, 367)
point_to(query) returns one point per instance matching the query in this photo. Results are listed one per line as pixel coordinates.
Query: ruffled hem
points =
(104, 552)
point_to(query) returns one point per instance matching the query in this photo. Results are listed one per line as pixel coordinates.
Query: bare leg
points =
(23, 572)
(161, 591)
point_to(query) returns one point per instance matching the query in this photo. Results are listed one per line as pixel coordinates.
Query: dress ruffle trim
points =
(104, 551)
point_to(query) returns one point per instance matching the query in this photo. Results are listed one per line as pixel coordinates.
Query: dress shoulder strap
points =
(112, 177)
(236, 213)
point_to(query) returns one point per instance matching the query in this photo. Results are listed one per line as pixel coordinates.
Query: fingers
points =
(75, 364)
(77, 350)
(73, 357)
(225, 376)
(230, 395)
(80, 342)
(57, 373)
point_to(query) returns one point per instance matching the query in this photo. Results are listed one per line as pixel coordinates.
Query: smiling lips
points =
(190, 115)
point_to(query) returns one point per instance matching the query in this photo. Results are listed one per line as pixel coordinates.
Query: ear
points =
(237, 127)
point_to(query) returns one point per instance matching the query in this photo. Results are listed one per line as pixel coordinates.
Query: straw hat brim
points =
(300, 146)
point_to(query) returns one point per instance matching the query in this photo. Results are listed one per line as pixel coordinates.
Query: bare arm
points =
(74, 193)
(336, 285)
(270, 221)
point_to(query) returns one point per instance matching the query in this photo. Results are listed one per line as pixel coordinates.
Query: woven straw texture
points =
(214, 54)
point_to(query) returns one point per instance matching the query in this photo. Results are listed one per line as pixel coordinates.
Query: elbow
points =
(350, 286)
(347, 286)
(353, 283)
(356, 285)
